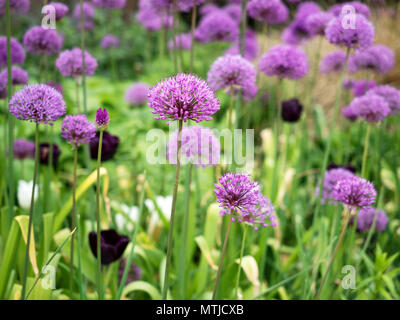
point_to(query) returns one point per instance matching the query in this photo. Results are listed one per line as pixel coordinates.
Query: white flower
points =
(163, 203)
(25, 193)
(121, 220)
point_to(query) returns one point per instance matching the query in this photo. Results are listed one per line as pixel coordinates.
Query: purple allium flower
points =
(360, 37)
(331, 178)
(60, 8)
(40, 41)
(390, 94)
(237, 194)
(56, 86)
(44, 153)
(234, 11)
(349, 113)
(109, 41)
(232, 73)
(112, 245)
(19, 6)
(88, 11)
(261, 214)
(268, 11)
(183, 42)
(109, 146)
(345, 8)
(152, 19)
(23, 149)
(186, 5)
(102, 119)
(291, 110)
(285, 61)
(17, 52)
(19, 76)
(137, 93)
(366, 217)
(110, 4)
(333, 62)
(359, 87)
(134, 273)
(296, 33)
(183, 97)
(77, 129)
(251, 49)
(38, 103)
(372, 108)
(355, 192)
(69, 63)
(305, 9)
(377, 58)
(317, 22)
(217, 26)
(207, 9)
(199, 146)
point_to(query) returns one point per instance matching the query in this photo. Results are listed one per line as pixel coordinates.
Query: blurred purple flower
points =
(291, 110)
(77, 129)
(391, 96)
(18, 75)
(69, 63)
(19, 6)
(377, 58)
(23, 149)
(268, 11)
(371, 108)
(183, 42)
(358, 7)
(40, 41)
(333, 62)
(17, 52)
(109, 146)
(134, 273)
(317, 22)
(217, 26)
(251, 49)
(112, 245)
(56, 86)
(60, 8)
(109, 41)
(137, 93)
(366, 217)
(110, 4)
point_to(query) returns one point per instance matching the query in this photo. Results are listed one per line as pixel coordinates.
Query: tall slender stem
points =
(366, 145)
(230, 110)
(31, 212)
(347, 216)
(221, 259)
(73, 223)
(78, 102)
(240, 260)
(193, 26)
(173, 207)
(98, 219)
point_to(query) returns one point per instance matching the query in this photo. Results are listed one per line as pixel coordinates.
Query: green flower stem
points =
(173, 209)
(221, 259)
(193, 27)
(174, 32)
(365, 153)
(240, 260)
(31, 212)
(78, 102)
(347, 215)
(98, 219)
(230, 110)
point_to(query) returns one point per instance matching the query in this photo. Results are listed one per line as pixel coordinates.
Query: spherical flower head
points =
(40, 41)
(268, 11)
(340, 32)
(305, 9)
(102, 119)
(237, 194)
(217, 26)
(39, 103)
(318, 21)
(360, 87)
(109, 146)
(18, 6)
(183, 97)
(367, 216)
(110, 4)
(297, 32)
(183, 41)
(17, 52)
(60, 9)
(232, 73)
(112, 245)
(333, 62)
(291, 110)
(391, 96)
(199, 147)
(77, 129)
(285, 61)
(372, 108)
(70, 64)
(88, 11)
(354, 192)
(18, 76)
(152, 19)
(377, 58)
(137, 94)
(331, 178)
(23, 149)
(109, 41)
(261, 216)
(350, 7)
(251, 49)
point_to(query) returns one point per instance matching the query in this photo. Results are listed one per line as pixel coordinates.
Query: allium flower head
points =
(372, 108)
(262, 215)
(291, 110)
(102, 119)
(112, 245)
(88, 11)
(391, 96)
(217, 26)
(109, 146)
(354, 192)
(40, 41)
(69, 63)
(268, 11)
(305, 9)
(183, 41)
(366, 217)
(331, 178)
(183, 97)
(110, 4)
(377, 58)
(23, 149)
(152, 19)
(359, 37)
(317, 22)
(251, 48)
(232, 73)
(18, 76)
(39, 103)
(333, 62)
(137, 93)
(109, 41)
(19, 6)
(17, 52)
(296, 33)
(350, 7)
(77, 129)
(285, 61)
(199, 147)
(359, 87)
(60, 8)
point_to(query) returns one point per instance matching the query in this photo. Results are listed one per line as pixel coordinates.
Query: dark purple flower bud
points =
(109, 146)
(112, 244)
(44, 155)
(134, 273)
(291, 110)
(102, 119)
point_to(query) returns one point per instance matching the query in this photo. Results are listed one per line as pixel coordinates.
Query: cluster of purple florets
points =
(70, 63)
(41, 41)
